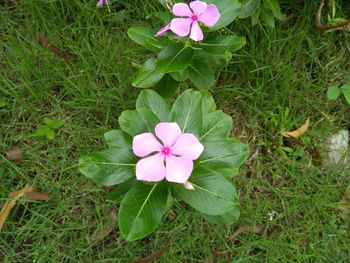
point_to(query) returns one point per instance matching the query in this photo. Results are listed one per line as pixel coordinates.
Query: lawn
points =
(274, 83)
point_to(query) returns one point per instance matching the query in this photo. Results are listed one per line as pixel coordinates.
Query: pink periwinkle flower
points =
(100, 3)
(170, 155)
(196, 11)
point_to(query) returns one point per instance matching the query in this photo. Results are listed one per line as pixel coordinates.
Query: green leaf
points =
(213, 194)
(221, 44)
(223, 154)
(274, 7)
(140, 34)
(180, 75)
(249, 7)
(346, 92)
(208, 102)
(201, 73)
(333, 92)
(138, 121)
(147, 76)
(216, 125)
(167, 86)
(174, 57)
(117, 138)
(50, 134)
(57, 124)
(142, 210)
(187, 112)
(151, 100)
(228, 218)
(3, 103)
(156, 44)
(267, 17)
(42, 130)
(110, 166)
(120, 190)
(47, 120)
(229, 11)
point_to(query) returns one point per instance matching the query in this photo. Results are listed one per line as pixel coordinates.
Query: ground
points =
(274, 83)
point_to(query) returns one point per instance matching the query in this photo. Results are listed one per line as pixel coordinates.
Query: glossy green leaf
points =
(140, 34)
(229, 11)
(147, 76)
(346, 92)
(208, 102)
(120, 190)
(267, 16)
(201, 73)
(216, 125)
(135, 122)
(220, 44)
(110, 166)
(180, 75)
(274, 7)
(333, 92)
(213, 194)
(117, 138)
(167, 86)
(223, 154)
(228, 218)
(156, 44)
(248, 8)
(174, 57)
(151, 100)
(187, 112)
(142, 210)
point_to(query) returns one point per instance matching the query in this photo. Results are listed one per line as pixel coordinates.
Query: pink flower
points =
(100, 3)
(172, 159)
(196, 11)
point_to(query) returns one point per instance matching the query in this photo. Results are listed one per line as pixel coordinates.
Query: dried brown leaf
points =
(297, 133)
(155, 256)
(212, 257)
(38, 196)
(111, 221)
(46, 43)
(14, 196)
(15, 154)
(258, 229)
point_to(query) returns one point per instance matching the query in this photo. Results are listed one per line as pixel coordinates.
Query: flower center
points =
(166, 151)
(194, 17)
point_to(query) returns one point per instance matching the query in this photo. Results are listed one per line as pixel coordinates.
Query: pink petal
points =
(182, 9)
(187, 145)
(163, 30)
(178, 169)
(168, 132)
(151, 169)
(100, 3)
(198, 7)
(189, 186)
(210, 16)
(181, 26)
(196, 32)
(145, 144)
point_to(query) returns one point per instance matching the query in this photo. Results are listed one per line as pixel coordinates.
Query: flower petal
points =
(178, 169)
(210, 16)
(188, 146)
(182, 9)
(168, 132)
(163, 30)
(145, 144)
(189, 186)
(181, 26)
(151, 169)
(198, 7)
(196, 32)
(100, 3)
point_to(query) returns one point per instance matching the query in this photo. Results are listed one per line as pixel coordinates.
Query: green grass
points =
(274, 83)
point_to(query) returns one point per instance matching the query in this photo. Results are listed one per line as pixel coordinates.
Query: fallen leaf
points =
(38, 196)
(344, 203)
(258, 229)
(15, 154)
(14, 196)
(153, 257)
(110, 223)
(46, 43)
(212, 257)
(315, 155)
(297, 133)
